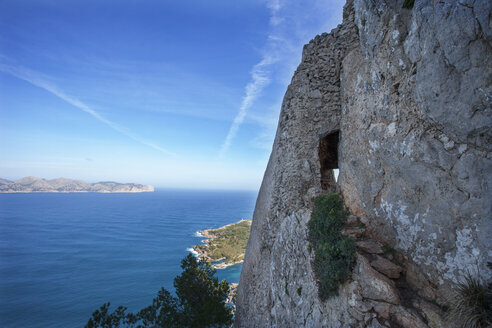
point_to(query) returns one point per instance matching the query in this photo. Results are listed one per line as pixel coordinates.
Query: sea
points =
(63, 255)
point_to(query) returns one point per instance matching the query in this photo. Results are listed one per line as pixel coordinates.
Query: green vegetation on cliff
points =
(334, 253)
(227, 243)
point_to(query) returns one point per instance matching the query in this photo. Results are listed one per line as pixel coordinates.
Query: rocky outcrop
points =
(34, 184)
(400, 100)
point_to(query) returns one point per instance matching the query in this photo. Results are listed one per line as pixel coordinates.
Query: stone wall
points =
(277, 260)
(410, 92)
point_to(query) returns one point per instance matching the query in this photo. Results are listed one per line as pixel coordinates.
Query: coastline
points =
(201, 252)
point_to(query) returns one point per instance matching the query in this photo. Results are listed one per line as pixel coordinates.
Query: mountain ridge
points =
(31, 184)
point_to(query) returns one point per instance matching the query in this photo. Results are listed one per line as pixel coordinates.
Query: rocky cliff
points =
(400, 101)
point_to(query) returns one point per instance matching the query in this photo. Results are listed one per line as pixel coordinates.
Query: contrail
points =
(291, 26)
(35, 79)
(253, 89)
(260, 79)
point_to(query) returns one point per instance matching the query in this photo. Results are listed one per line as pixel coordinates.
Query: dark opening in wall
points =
(328, 156)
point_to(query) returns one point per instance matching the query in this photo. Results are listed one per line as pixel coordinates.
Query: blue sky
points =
(180, 94)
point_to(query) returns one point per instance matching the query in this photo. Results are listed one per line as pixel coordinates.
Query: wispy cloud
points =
(274, 6)
(40, 81)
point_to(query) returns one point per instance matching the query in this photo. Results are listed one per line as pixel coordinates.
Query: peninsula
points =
(63, 185)
(225, 245)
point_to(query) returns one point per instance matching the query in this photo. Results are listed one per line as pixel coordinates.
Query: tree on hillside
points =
(200, 302)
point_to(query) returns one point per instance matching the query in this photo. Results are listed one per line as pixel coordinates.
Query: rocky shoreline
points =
(211, 235)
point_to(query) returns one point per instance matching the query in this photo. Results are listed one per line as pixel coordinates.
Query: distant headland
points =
(63, 185)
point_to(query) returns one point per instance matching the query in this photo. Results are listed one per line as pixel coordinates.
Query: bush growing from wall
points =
(334, 255)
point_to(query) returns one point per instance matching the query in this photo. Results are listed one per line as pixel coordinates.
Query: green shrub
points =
(200, 302)
(334, 255)
(471, 305)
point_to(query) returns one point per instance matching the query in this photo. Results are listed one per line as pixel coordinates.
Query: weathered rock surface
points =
(387, 267)
(417, 117)
(401, 102)
(370, 246)
(374, 285)
(34, 184)
(353, 232)
(432, 313)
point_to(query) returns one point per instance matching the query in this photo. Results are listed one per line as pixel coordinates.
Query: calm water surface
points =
(63, 255)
